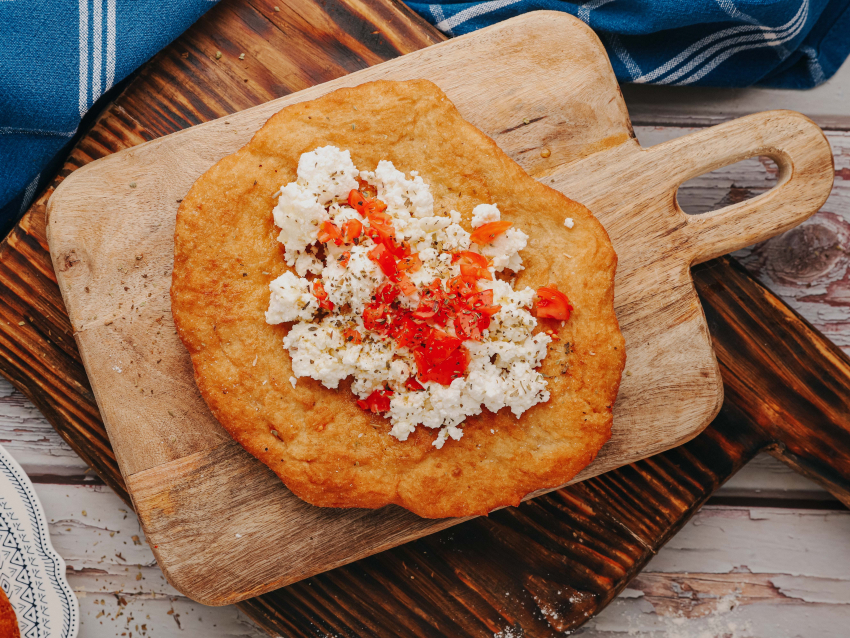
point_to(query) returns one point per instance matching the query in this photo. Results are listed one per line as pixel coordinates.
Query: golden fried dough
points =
(326, 450)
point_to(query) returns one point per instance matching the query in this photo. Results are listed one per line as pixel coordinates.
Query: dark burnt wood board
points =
(570, 552)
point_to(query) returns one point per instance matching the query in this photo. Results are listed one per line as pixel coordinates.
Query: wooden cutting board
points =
(222, 526)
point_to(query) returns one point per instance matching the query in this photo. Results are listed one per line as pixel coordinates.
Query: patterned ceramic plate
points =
(31, 572)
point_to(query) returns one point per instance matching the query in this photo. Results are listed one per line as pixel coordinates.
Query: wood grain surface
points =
(179, 463)
(174, 90)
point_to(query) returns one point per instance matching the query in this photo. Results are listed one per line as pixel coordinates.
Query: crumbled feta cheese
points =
(501, 370)
(355, 283)
(291, 300)
(454, 238)
(328, 173)
(484, 214)
(504, 250)
(298, 215)
(293, 381)
(412, 196)
(569, 223)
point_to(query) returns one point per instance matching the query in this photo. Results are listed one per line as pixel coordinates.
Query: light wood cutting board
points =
(222, 526)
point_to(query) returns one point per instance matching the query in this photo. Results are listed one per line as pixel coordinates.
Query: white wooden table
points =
(768, 557)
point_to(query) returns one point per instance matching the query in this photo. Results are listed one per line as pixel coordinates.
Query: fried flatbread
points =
(325, 449)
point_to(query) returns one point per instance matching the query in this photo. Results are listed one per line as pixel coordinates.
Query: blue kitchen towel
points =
(57, 57)
(776, 43)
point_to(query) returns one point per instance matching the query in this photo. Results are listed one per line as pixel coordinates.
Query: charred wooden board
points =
(602, 531)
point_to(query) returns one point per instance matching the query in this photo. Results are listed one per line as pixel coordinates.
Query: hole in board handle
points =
(728, 185)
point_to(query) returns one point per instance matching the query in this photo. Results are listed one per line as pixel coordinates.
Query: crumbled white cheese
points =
(484, 214)
(454, 238)
(401, 195)
(327, 172)
(355, 283)
(291, 300)
(504, 250)
(293, 381)
(569, 223)
(501, 372)
(298, 215)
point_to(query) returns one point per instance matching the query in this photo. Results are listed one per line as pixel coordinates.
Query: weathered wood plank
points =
(716, 574)
(740, 572)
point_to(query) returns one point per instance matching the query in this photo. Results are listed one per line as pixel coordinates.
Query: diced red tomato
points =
(411, 333)
(386, 293)
(413, 384)
(445, 372)
(461, 286)
(328, 231)
(322, 296)
(483, 302)
(553, 304)
(433, 304)
(375, 317)
(469, 324)
(356, 201)
(378, 401)
(439, 345)
(486, 233)
(365, 205)
(411, 263)
(373, 205)
(351, 230)
(423, 312)
(472, 265)
(352, 337)
(344, 258)
(381, 256)
(407, 286)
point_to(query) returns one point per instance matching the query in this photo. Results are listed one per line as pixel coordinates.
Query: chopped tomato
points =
(411, 263)
(351, 230)
(488, 232)
(374, 205)
(444, 372)
(472, 265)
(382, 232)
(365, 205)
(387, 292)
(375, 317)
(426, 312)
(352, 337)
(439, 345)
(322, 296)
(378, 401)
(357, 201)
(413, 384)
(461, 286)
(553, 304)
(381, 256)
(433, 292)
(407, 286)
(411, 333)
(469, 324)
(328, 231)
(433, 304)
(344, 258)
(483, 302)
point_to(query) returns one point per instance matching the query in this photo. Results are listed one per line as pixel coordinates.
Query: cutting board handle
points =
(806, 172)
